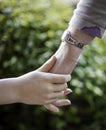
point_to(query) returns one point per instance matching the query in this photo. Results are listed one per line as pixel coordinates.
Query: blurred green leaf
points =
(30, 33)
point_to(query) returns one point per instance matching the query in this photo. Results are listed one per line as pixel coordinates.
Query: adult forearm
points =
(87, 22)
(67, 55)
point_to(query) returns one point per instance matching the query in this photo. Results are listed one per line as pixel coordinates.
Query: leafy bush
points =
(29, 34)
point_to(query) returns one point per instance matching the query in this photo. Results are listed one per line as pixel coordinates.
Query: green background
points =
(30, 32)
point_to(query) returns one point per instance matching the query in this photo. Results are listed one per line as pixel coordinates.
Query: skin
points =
(26, 88)
(35, 88)
(67, 57)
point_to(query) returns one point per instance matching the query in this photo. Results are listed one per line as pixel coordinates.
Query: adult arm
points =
(87, 22)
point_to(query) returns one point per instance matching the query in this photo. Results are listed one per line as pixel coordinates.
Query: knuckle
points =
(65, 86)
(46, 79)
(63, 79)
(49, 88)
(61, 94)
(47, 96)
(45, 102)
(54, 78)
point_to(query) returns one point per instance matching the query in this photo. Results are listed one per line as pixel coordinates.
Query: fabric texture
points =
(90, 17)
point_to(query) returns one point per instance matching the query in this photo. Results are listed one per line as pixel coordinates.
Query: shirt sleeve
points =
(90, 17)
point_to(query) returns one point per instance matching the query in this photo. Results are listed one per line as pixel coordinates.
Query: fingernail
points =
(67, 102)
(69, 77)
(56, 110)
(68, 91)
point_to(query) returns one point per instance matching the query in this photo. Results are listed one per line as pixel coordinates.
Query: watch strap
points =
(66, 37)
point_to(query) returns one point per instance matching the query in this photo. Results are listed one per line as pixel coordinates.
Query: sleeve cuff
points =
(87, 27)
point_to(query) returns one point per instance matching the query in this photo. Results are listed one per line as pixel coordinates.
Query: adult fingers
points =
(57, 95)
(62, 102)
(67, 91)
(52, 108)
(48, 65)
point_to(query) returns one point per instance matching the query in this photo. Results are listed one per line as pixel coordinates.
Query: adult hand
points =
(60, 102)
(67, 56)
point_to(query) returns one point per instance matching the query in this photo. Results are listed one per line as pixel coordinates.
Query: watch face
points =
(80, 45)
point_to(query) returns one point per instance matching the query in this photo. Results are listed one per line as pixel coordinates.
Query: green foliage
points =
(30, 33)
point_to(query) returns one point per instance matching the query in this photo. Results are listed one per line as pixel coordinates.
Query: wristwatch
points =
(66, 37)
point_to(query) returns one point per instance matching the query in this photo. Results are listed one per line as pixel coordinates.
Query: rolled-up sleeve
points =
(90, 17)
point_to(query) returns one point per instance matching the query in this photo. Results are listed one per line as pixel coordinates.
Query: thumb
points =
(48, 65)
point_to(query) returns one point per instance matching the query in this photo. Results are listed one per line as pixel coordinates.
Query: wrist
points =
(80, 35)
(67, 56)
(68, 52)
(14, 90)
(8, 90)
(18, 89)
